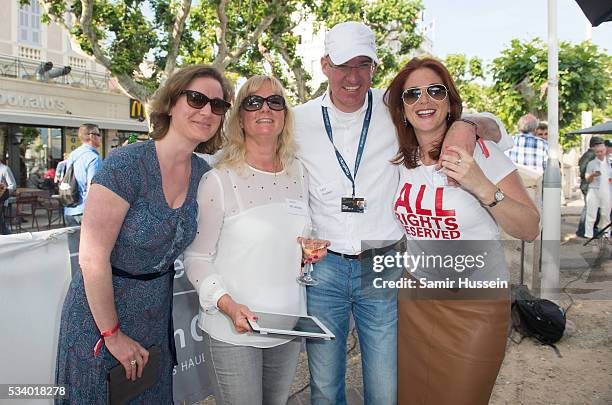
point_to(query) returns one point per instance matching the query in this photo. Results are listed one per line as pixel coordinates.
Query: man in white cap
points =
(346, 141)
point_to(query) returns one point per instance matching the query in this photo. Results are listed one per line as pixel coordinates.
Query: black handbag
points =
(4, 196)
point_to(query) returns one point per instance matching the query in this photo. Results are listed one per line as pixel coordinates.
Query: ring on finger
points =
(133, 362)
(458, 162)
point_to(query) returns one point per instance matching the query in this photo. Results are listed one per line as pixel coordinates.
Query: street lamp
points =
(17, 137)
(46, 71)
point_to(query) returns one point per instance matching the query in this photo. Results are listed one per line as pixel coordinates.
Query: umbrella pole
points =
(551, 209)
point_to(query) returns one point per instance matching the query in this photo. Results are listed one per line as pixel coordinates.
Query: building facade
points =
(48, 88)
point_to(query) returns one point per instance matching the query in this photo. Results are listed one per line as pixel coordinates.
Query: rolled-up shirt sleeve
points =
(505, 141)
(200, 256)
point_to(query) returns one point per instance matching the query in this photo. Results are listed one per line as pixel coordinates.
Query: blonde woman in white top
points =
(245, 257)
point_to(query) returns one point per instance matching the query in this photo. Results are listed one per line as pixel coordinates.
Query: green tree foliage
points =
(393, 21)
(240, 37)
(468, 75)
(520, 77)
(245, 38)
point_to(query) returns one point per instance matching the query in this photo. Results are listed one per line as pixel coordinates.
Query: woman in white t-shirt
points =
(451, 340)
(246, 255)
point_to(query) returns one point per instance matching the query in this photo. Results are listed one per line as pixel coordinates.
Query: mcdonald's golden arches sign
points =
(137, 110)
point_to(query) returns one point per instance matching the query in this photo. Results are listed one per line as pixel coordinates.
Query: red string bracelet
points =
(479, 140)
(485, 151)
(103, 334)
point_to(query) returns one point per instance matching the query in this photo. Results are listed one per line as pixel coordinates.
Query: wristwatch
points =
(497, 197)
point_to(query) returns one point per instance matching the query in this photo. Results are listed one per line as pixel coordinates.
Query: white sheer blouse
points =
(246, 246)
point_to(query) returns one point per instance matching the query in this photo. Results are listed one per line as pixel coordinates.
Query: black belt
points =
(152, 276)
(369, 253)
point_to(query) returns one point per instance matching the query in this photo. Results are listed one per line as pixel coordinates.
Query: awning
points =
(605, 128)
(597, 11)
(71, 121)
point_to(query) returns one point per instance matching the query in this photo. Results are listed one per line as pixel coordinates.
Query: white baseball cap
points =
(348, 40)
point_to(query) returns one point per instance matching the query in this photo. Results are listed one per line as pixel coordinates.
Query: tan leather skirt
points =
(450, 349)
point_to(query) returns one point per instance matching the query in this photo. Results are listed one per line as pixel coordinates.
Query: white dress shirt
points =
(376, 179)
(7, 178)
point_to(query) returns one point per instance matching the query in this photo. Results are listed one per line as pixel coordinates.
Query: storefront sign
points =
(71, 139)
(30, 101)
(137, 110)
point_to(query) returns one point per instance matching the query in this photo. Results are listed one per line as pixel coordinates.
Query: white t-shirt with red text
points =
(430, 210)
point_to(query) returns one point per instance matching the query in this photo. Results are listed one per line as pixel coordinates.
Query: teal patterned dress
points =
(152, 236)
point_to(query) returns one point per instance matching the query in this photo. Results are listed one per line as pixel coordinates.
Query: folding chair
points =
(25, 207)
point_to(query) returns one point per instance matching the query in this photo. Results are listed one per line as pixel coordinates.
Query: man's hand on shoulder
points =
(488, 129)
(461, 134)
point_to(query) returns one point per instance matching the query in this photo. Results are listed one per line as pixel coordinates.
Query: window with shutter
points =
(29, 23)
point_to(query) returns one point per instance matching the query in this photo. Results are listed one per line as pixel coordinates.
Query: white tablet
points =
(292, 325)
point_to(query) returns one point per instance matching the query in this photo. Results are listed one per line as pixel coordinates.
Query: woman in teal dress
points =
(139, 216)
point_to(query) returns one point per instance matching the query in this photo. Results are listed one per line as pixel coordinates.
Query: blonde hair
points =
(165, 97)
(234, 151)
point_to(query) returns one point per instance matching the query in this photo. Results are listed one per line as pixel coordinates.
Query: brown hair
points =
(408, 153)
(165, 97)
(85, 130)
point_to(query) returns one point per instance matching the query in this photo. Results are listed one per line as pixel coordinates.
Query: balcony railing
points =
(27, 69)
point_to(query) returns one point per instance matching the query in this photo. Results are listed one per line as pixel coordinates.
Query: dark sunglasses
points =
(95, 133)
(197, 100)
(255, 102)
(436, 92)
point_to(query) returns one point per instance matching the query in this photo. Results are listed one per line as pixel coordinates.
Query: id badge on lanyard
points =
(351, 204)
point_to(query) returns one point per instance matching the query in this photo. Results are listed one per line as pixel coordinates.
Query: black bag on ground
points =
(537, 317)
(69, 189)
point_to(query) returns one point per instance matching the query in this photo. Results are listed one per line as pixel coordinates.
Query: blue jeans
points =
(338, 295)
(73, 220)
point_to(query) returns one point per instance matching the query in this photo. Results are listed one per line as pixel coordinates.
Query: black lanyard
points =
(362, 141)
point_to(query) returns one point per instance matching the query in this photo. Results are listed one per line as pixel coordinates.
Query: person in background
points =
(346, 141)
(598, 174)
(450, 349)
(86, 161)
(528, 149)
(608, 144)
(60, 170)
(246, 255)
(47, 183)
(584, 184)
(8, 186)
(140, 215)
(541, 130)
